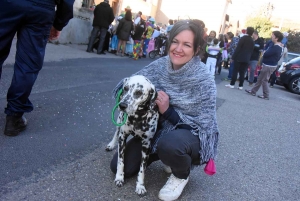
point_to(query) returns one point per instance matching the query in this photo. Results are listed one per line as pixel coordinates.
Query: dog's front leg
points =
(119, 180)
(113, 142)
(140, 186)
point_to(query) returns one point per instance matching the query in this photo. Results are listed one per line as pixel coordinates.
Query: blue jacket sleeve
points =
(172, 116)
(64, 12)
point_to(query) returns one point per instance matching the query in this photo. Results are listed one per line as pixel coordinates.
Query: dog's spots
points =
(140, 85)
(125, 88)
(139, 96)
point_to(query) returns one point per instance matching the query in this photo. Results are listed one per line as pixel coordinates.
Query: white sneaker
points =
(240, 88)
(229, 86)
(167, 169)
(172, 189)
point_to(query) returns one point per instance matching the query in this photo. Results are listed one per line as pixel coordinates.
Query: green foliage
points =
(284, 29)
(262, 25)
(293, 44)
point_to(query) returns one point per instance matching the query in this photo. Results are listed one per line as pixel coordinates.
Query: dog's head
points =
(138, 94)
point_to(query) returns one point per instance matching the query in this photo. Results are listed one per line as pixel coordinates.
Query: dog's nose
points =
(123, 106)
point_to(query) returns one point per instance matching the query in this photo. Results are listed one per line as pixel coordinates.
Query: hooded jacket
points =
(103, 15)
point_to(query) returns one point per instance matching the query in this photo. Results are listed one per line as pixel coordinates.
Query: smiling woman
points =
(181, 49)
(183, 45)
(187, 132)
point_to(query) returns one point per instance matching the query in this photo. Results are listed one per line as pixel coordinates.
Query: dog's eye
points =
(138, 93)
(126, 88)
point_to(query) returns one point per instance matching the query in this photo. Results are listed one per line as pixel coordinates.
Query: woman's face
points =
(212, 35)
(181, 49)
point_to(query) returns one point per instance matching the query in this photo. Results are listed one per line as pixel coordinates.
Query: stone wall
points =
(79, 28)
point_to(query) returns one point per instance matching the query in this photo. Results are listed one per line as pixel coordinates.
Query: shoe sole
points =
(14, 133)
(263, 97)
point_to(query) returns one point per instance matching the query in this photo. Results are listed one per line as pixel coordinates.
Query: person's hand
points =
(162, 101)
(54, 34)
(231, 60)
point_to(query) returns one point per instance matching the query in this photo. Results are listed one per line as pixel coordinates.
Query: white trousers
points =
(211, 65)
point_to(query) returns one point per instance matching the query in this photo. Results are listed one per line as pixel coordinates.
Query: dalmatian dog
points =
(138, 101)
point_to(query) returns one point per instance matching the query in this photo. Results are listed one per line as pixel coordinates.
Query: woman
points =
(269, 63)
(209, 41)
(212, 35)
(123, 31)
(187, 133)
(222, 42)
(137, 37)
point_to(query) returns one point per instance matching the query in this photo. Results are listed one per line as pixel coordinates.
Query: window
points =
(88, 3)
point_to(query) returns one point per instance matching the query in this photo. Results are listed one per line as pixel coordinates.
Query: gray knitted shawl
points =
(192, 93)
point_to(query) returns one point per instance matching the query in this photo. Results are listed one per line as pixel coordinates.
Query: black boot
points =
(14, 125)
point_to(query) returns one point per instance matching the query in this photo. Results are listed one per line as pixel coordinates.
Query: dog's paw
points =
(119, 183)
(140, 189)
(110, 147)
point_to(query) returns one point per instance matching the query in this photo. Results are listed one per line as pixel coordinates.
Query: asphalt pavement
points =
(61, 155)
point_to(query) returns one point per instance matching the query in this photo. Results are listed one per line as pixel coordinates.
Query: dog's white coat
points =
(136, 91)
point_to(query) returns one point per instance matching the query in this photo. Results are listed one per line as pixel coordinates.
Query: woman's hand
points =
(162, 101)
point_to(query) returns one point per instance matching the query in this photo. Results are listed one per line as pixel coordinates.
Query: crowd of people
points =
(134, 37)
(248, 56)
(125, 35)
(249, 51)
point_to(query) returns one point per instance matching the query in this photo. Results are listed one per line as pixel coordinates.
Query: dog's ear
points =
(153, 95)
(125, 80)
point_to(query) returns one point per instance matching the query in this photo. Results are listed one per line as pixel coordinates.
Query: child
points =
(212, 51)
(137, 37)
(147, 35)
(129, 47)
(114, 40)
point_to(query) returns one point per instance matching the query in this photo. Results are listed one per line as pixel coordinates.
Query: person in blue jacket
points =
(269, 64)
(32, 21)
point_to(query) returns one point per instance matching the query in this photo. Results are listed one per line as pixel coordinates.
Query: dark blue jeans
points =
(94, 34)
(178, 149)
(230, 70)
(32, 21)
(145, 46)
